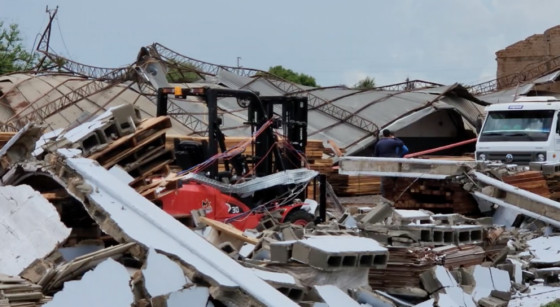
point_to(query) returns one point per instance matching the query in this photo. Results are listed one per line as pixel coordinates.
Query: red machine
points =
(244, 212)
(228, 209)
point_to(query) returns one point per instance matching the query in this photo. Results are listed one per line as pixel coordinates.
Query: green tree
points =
(365, 84)
(182, 72)
(13, 56)
(290, 75)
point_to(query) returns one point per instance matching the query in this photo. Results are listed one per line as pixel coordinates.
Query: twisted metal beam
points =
(514, 79)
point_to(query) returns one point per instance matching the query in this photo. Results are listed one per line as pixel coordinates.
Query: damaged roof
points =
(60, 100)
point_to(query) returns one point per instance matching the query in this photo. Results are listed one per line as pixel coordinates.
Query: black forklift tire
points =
(299, 217)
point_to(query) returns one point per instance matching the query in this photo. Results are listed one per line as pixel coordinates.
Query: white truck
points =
(519, 132)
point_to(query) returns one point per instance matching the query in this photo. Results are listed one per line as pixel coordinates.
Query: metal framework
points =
(518, 78)
(289, 88)
(408, 85)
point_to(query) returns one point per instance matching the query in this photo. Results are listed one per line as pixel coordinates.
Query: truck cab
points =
(522, 131)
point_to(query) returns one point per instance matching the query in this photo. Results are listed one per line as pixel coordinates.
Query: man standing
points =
(388, 146)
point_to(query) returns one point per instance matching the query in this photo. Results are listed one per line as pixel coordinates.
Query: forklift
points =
(271, 181)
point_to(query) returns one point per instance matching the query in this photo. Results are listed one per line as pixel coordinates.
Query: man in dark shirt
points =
(388, 145)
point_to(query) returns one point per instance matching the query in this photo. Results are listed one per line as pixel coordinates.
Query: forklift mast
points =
(260, 110)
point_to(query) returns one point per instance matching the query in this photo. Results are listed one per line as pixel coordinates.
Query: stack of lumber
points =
(407, 263)
(433, 195)
(553, 182)
(142, 154)
(532, 181)
(15, 291)
(343, 185)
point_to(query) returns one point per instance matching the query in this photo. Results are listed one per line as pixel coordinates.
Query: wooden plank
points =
(228, 230)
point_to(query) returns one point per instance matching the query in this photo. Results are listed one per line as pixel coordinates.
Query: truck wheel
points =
(299, 217)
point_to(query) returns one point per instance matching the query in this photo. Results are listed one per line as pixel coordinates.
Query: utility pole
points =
(238, 58)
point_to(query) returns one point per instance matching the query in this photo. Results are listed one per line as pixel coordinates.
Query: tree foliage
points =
(364, 84)
(13, 56)
(290, 75)
(182, 72)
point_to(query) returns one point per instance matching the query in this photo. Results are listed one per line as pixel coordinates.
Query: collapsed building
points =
(92, 182)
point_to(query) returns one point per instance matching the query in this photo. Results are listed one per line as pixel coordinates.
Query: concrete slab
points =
(333, 296)
(106, 285)
(162, 275)
(488, 279)
(378, 213)
(440, 281)
(30, 228)
(193, 296)
(546, 250)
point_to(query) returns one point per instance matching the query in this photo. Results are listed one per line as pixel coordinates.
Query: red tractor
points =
(242, 195)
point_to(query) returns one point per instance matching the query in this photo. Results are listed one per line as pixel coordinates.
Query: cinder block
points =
(467, 234)
(330, 252)
(425, 233)
(281, 251)
(125, 117)
(443, 235)
(550, 168)
(535, 166)
(448, 219)
(294, 293)
(378, 213)
(228, 248)
(266, 223)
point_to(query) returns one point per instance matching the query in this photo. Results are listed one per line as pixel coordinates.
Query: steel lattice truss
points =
(517, 78)
(314, 101)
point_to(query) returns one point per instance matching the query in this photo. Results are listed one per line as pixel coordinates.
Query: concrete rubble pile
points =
(81, 230)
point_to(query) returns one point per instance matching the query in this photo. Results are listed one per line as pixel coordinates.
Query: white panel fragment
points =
(282, 278)
(194, 296)
(144, 222)
(451, 288)
(545, 249)
(162, 275)
(333, 296)
(106, 285)
(30, 228)
(488, 279)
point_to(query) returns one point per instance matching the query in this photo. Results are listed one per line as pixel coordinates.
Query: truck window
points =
(517, 125)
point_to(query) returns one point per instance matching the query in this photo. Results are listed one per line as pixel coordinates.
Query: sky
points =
(336, 42)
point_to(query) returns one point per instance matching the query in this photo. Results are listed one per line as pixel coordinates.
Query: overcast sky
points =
(337, 42)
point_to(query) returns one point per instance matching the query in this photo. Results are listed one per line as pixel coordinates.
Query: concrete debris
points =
(440, 280)
(332, 253)
(193, 296)
(333, 296)
(161, 275)
(92, 194)
(31, 228)
(491, 282)
(110, 280)
(15, 291)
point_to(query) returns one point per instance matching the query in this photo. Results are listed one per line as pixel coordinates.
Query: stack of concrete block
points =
(337, 252)
(468, 234)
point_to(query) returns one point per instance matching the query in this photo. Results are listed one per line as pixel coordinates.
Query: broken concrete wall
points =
(31, 228)
(127, 216)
